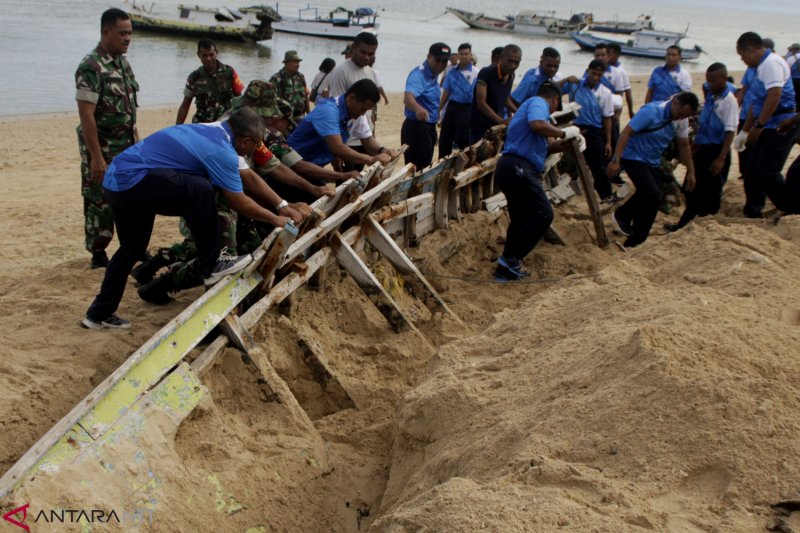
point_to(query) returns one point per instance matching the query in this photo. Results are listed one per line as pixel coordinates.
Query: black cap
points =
(440, 51)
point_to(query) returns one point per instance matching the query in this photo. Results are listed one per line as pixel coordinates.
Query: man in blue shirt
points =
(173, 173)
(595, 120)
(518, 175)
(639, 151)
(321, 135)
(457, 89)
(772, 101)
(712, 147)
(669, 78)
(493, 93)
(549, 63)
(421, 99)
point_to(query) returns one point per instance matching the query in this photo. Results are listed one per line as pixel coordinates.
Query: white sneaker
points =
(227, 264)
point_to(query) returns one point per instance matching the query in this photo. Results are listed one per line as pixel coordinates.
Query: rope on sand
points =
(531, 281)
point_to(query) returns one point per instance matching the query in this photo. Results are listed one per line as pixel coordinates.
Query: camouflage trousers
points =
(97, 215)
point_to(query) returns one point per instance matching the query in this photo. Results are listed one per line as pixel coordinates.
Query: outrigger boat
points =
(340, 23)
(525, 22)
(645, 43)
(223, 24)
(642, 22)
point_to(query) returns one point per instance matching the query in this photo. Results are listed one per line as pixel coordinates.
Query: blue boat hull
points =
(588, 42)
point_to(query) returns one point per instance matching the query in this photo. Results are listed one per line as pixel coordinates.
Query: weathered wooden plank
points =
(333, 222)
(493, 203)
(383, 242)
(275, 254)
(238, 335)
(588, 190)
(404, 208)
(366, 280)
(317, 363)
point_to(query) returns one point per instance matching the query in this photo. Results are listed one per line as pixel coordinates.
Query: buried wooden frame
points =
(430, 197)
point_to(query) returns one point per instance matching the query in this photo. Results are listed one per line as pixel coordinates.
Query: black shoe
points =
(672, 226)
(617, 180)
(99, 259)
(111, 322)
(227, 264)
(622, 228)
(157, 291)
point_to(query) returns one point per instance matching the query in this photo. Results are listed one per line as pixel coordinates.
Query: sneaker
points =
(672, 226)
(99, 259)
(514, 267)
(609, 200)
(227, 264)
(622, 229)
(112, 322)
(504, 275)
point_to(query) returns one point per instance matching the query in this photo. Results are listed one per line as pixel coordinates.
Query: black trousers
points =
(706, 197)
(421, 140)
(596, 159)
(161, 192)
(763, 178)
(796, 83)
(347, 167)
(641, 209)
(455, 128)
(792, 203)
(528, 206)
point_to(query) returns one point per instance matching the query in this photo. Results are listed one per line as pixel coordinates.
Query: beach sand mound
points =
(661, 395)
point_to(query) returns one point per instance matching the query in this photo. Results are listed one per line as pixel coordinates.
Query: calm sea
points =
(42, 41)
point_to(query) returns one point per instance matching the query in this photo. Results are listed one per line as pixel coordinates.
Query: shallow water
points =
(42, 42)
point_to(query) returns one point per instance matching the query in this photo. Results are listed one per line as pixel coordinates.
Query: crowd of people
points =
(255, 157)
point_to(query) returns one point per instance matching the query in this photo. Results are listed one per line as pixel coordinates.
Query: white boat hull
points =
(321, 29)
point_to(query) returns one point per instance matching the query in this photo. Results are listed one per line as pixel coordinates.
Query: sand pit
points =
(654, 390)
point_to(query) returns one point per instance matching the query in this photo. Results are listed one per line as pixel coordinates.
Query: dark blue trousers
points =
(166, 193)
(641, 209)
(763, 178)
(528, 206)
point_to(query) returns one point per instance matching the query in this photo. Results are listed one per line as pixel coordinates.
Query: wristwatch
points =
(281, 205)
(614, 159)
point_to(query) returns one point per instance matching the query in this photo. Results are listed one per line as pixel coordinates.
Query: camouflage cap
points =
(291, 55)
(263, 97)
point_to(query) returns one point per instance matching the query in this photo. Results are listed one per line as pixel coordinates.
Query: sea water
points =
(42, 41)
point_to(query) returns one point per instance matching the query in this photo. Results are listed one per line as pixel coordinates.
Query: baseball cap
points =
(440, 51)
(263, 97)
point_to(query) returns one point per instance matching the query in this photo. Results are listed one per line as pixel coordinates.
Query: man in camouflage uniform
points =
(106, 95)
(212, 86)
(291, 85)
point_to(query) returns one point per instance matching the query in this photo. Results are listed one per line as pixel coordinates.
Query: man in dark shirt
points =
(493, 93)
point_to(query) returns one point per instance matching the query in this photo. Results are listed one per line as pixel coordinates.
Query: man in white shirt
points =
(772, 101)
(622, 82)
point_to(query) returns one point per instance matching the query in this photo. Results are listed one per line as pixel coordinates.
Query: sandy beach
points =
(659, 394)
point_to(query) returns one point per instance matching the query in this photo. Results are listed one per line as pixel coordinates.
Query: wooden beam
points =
(384, 243)
(366, 280)
(332, 223)
(238, 335)
(317, 363)
(465, 177)
(588, 190)
(406, 208)
(273, 259)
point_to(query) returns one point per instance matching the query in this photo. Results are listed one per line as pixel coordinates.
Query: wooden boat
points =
(222, 24)
(645, 43)
(340, 23)
(642, 22)
(525, 22)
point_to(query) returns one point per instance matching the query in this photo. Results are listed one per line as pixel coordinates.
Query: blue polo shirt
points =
(769, 73)
(653, 130)
(521, 140)
(529, 86)
(456, 83)
(422, 83)
(662, 83)
(200, 149)
(329, 117)
(747, 80)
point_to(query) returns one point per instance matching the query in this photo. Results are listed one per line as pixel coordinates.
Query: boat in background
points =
(525, 22)
(221, 24)
(642, 22)
(645, 43)
(340, 23)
